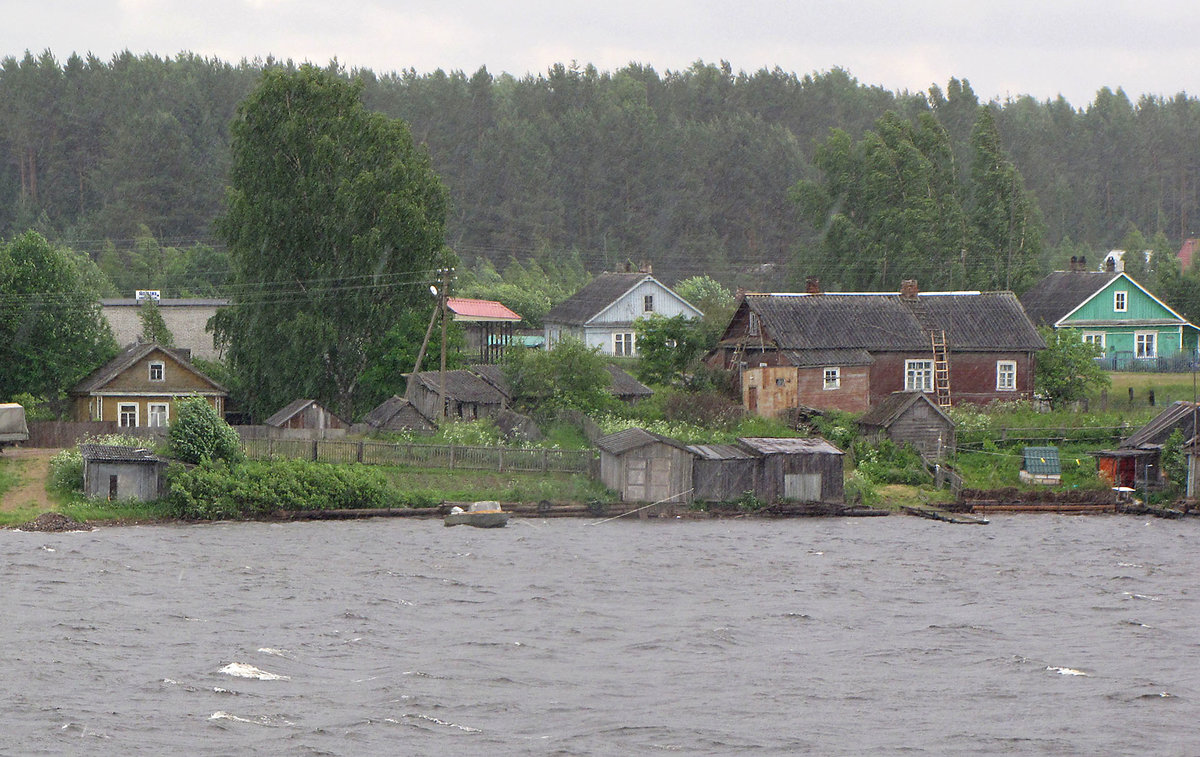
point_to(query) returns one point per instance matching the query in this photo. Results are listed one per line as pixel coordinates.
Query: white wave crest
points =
(1068, 671)
(276, 652)
(446, 723)
(242, 670)
(260, 720)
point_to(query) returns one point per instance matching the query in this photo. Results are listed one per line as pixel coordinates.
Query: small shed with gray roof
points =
(116, 472)
(643, 466)
(910, 418)
(723, 472)
(797, 470)
(305, 414)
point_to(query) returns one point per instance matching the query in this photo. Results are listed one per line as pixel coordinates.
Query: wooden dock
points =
(933, 513)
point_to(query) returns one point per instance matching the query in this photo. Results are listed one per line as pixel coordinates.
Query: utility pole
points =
(444, 296)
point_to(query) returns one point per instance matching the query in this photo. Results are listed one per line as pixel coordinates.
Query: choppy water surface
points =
(1032, 635)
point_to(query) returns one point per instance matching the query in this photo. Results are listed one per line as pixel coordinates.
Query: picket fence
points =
(451, 456)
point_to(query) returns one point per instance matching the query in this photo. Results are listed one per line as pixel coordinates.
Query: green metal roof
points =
(1042, 461)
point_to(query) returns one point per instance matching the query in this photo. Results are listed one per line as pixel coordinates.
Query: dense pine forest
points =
(700, 171)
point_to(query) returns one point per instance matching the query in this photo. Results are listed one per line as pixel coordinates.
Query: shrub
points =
(887, 463)
(217, 489)
(859, 489)
(198, 433)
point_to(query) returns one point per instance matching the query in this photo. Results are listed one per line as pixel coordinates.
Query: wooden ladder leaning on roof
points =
(941, 367)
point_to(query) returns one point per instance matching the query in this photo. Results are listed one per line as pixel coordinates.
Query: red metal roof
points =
(479, 310)
(1186, 253)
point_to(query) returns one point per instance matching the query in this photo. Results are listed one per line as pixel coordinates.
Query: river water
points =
(1036, 634)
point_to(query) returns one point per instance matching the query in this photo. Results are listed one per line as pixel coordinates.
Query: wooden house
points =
(601, 314)
(468, 397)
(797, 470)
(1136, 462)
(139, 386)
(396, 414)
(910, 418)
(116, 472)
(1112, 311)
(623, 386)
(642, 466)
(305, 414)
(849, 351)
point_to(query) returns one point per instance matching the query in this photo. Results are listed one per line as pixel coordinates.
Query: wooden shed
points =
(910, 418)
(643, 466)
(395, 414)
(797, 470)
(305, 414)
(116, 472)
(723, 472)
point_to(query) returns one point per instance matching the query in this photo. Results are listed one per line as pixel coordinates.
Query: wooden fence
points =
(1005, 435)
(62, 434)
(425, 455)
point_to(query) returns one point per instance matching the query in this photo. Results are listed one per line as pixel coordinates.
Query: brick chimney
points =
(1110, 265)
(645, 267)
(1082, 263)
(909, 289)
(1074, 264)
(812, 285)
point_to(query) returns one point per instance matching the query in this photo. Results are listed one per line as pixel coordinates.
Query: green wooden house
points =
(1117, 314)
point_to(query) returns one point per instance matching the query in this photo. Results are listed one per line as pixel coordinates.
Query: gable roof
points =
(463, 386)
(623, 386)
(1061, 292)
(893, 406)
(597, 295)
(391, 409)
(882, 322)
(764, 445)
(469, 310)
(114, 453)
(1178, 416)
(634, 438)
(290, 411)
(126, 358)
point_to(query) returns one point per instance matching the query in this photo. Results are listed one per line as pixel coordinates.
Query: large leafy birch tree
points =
(335, 223)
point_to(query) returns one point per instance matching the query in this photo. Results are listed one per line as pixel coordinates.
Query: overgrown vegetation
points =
(217, 490)
(66, 467)
(198, 433)
(889, 463)
(438, 484)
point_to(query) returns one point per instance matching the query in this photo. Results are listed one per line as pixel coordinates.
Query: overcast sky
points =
(1004, 47)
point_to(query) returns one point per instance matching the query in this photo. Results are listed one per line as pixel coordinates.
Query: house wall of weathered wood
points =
(426, 401)
(724, 480)
(650, 473)
(921, 426)
(776, 468)
(774, 389)
(138, 481)
(972, 375)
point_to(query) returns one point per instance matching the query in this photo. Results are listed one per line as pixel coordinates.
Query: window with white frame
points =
(159, 414)
(1094, 338)
(1145, 344)
(1120, 301)
(648, 303)
(157, 372)
(623, 344)
(127, 414)
(833, 378)
(918, 375)
(1006, 376)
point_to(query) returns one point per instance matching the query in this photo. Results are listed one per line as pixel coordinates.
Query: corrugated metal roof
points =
(463, 386)
(830, 357)
(786, 446)
(1179, 415)
(986, 321)
(1042, 461)
(479, 310)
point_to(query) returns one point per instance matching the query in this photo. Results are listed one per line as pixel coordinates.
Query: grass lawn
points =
(1167, 388)
(468, 485)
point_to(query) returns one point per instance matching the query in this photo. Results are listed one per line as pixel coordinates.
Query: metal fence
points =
(424, 455)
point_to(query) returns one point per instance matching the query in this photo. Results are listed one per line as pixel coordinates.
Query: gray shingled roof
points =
(112, 453)
(463, 386)
(989, 321)
(1061, 292)
(623, 385)
(287, 413)
(388, 410)
(786, 446)
(127, 357)
(1178, 416)
(633, 438)
(603, 291)
(818, 358)
(893, 406)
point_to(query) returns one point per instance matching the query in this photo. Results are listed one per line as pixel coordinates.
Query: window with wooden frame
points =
(833, 378)
(918, 375)
(1120, 301)
(127, 414)
(1145, 344)
(623, 344)
(648, 303)
(157, 371)
(159, 414)
(1006, 376)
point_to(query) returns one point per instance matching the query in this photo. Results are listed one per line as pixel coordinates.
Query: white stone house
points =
(601, 315)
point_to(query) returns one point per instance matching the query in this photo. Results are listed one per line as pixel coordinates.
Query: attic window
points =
(648, 303)
(1120, 301)
(156, 372)
(754, 324)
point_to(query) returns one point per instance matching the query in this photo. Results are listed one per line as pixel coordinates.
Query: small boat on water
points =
(481, 515)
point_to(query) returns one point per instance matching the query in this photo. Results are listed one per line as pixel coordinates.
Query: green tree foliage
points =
(668, 347)
(197, 433)
(396, 354)
(570, 376)
(154, 328)
(334, 224)
(529, 289)
(51, 331)
(1066, 370)
(714, 300)
(1175, 463)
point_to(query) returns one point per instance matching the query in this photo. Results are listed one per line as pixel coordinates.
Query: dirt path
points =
(33, 468)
